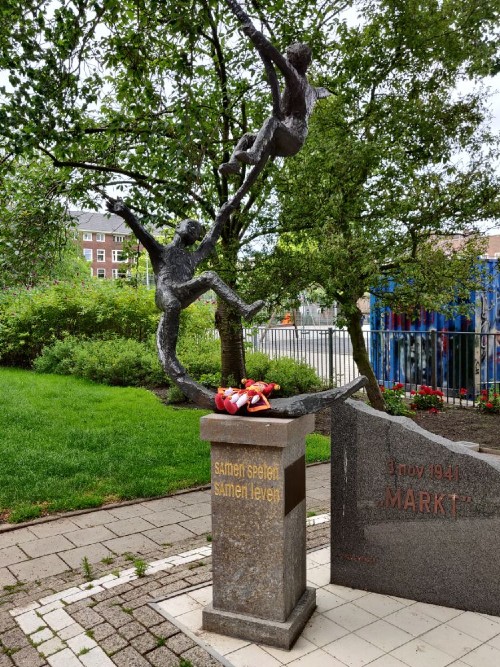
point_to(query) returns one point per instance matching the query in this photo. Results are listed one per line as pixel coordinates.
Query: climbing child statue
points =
(283, 133)
(175, 264)
(177, 287)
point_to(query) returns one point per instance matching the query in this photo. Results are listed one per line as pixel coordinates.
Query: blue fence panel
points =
(436, 350)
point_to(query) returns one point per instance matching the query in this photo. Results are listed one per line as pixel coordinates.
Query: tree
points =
(35, 225)
(396, 163)
(149, 98)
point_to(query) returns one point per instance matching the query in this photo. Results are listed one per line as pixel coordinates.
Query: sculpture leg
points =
(167, 345)
(191, 290)
(262, 141)
(174, 369)
(233, 166)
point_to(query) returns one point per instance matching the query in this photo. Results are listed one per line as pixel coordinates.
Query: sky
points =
(494, 104)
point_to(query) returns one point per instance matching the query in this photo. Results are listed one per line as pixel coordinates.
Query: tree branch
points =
(141, 179)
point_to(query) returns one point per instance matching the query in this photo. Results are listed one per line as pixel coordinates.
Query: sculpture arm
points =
(275, 88)
(148, 240)
(212, 236)
(261, 43)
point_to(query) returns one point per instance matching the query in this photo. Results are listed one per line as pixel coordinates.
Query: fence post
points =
(434, 366)
(330, 356)
(256, 339)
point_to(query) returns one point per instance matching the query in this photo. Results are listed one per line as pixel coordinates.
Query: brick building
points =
(104, 239)
(493, 247)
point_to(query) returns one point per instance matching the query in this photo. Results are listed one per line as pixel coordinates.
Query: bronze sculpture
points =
(283, 134)
(177, 287)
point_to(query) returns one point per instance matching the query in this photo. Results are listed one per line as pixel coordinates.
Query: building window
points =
(118, 256)
(118, 238)
(101, 255)
(118, 273)
(87, 236)
(101, 273)
(100, 236)
(87, 253)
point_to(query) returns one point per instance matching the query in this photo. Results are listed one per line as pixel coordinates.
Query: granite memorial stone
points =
(258, 528)
(413, 514)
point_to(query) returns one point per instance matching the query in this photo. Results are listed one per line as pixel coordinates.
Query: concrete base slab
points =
(271, 633)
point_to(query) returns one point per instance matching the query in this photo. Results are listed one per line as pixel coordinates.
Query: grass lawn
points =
(66, 443)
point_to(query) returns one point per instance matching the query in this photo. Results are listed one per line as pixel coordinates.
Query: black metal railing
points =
(445, 360)
(327, 350)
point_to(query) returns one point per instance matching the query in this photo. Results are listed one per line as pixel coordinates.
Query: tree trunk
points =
(227, 319)
(360, 355)
(228, 323)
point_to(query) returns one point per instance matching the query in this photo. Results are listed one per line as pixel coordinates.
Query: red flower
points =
(381, 387)
(484, 392)
(463, 392)
(397, 386)
(437, 392)
(413, 392)
(489, 406)
(433, 410)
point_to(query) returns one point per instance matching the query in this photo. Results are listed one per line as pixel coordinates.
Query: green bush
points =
(489, 401)
(198, 349)
(257, 364)
(175, 395)
(394, 399)
(124, 362)
(102, 331)
(197, 321)
(115, 361)
(202, 361)
(58, 358)
(210, 380)
(200, 356)
(294, 377)
(33, 319)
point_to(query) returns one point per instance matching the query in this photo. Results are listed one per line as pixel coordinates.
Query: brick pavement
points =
(63, 615)
(102, 626)
(46, 548)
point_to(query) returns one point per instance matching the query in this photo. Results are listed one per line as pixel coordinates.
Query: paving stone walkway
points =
(59, 610)
(73, 581)
(353, 628)
(49, 548)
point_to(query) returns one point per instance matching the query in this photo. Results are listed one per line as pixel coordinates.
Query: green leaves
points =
(396, 160)
(35, 225)
(150, 94)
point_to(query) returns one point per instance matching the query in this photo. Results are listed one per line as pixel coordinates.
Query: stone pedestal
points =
(258, 528)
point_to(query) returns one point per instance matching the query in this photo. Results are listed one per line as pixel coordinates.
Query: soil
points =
(454, 423)
(463, 424)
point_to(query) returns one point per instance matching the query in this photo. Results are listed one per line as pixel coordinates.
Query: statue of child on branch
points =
(174, 264)
(177, 287)
(285, 131)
